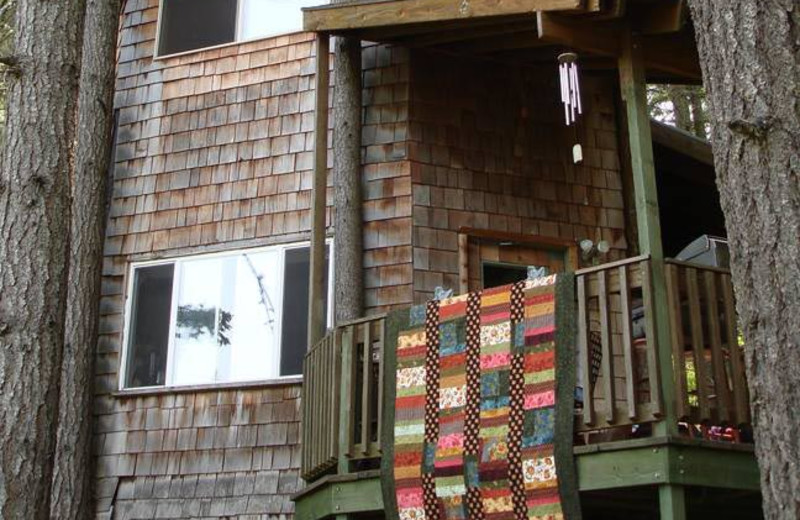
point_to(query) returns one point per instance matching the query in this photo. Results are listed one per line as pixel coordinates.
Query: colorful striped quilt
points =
(479, 419)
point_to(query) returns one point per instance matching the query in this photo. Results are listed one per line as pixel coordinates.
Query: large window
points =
(187, 25)
(218, 318)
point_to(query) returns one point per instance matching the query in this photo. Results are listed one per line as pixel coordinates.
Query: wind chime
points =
(571, 95)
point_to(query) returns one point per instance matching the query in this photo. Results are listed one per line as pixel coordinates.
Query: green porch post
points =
(633, 88)
(672, 502)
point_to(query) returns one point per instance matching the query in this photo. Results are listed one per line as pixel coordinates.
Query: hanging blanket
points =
(482, 427)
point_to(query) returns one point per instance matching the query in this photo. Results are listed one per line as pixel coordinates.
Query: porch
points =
(663, 405)
(625, 438)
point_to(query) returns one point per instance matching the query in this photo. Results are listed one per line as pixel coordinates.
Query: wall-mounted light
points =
(591, 250)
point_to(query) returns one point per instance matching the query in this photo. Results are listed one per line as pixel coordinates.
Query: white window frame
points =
(236, 40)
(178, 262)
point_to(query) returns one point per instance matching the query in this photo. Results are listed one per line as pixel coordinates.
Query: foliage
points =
(682, 106)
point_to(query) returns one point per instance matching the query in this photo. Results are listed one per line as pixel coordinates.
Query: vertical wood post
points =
(349, 222)
(633, 89)
(672, 502)
(316, 286)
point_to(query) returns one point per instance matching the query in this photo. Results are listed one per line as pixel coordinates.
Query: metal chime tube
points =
(570, 87)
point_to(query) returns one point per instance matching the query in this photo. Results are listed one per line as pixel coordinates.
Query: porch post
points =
(316, 285)
(633, 88)
(672, 502)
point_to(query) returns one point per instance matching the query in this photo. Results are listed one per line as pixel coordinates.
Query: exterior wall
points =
(489, 150)
(214, 152)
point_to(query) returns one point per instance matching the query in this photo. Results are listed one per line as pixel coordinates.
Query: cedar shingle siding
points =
(214, 153)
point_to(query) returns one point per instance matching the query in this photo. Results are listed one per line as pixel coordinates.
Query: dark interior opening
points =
(294, 335)
(497, 275)
(688, 200)
(189, 24)
(149, 326)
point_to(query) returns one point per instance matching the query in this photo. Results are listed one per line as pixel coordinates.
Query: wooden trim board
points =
(360, 15)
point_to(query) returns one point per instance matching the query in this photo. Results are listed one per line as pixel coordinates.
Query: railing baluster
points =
(366, 389)
(718, 360)
(381, 346)
(305, 458)
(583, 344)
(627, 342)
(653, 374)
(333, 392)
(695, 319)
(676, 334)
(740, 397)
(349, 358)
(605, 339)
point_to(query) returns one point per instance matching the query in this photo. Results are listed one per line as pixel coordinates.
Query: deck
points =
(640, 424)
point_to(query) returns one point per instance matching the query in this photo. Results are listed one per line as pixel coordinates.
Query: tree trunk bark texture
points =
(750, 53)
(72, 485)
(348, 245)
(34, 245)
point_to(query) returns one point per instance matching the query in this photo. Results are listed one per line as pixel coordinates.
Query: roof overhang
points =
(525, 30)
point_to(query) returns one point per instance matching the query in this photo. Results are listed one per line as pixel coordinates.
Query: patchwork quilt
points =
(482, 427)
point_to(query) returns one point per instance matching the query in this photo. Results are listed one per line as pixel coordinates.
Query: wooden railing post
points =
(633, 88)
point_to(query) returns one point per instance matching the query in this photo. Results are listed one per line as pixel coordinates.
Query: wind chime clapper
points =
(571, 95)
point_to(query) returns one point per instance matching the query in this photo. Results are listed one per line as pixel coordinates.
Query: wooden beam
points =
(317, 272)
(662, 17)
(633, 90)
(449, 37)
(682, 142)
(583, 35)
(360, 15)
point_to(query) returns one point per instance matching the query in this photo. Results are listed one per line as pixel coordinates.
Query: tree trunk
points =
(72, 484)
(749, 51)
(34, 244)
(680, 107)
(348, 245)
(699, 119)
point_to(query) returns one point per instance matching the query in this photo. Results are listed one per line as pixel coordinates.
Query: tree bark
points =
(72, 485)
(348, 245)
(749, 51)
(34, 244)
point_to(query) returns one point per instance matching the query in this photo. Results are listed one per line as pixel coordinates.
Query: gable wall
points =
(214, 152)
(489, 149)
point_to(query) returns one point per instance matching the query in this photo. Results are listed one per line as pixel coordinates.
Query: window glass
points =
(295, 309)
(233, 317)
(149, 326)
(194, 24)
(258, 18)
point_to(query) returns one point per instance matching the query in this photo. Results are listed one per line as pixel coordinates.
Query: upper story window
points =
(217, 318)
(187, 25)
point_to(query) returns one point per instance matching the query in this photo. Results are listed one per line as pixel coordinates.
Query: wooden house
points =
(221, 231)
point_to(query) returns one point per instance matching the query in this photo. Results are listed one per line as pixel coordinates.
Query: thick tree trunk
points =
(71, 489)
(34, 244)
(749, 51)
(348, 245)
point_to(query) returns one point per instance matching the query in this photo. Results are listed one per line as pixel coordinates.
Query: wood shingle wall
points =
(214, 152)
(489, 149)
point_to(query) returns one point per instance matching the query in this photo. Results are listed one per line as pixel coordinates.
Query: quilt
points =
(484, 395)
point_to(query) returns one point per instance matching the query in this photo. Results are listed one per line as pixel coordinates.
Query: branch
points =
(756, 129)
(12, 64)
